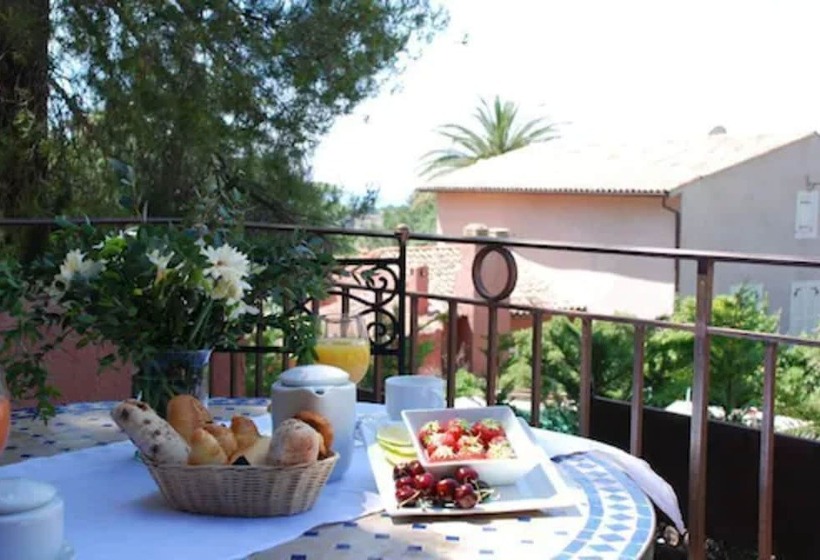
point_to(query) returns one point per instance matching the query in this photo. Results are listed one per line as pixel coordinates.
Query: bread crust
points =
(205, 449)
(321, 425)
(156, 439)
(186, 414)
(294, 442)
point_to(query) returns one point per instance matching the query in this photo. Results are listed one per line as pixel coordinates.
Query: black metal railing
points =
(403, 340)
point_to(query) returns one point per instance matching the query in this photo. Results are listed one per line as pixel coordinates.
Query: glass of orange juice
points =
(5, 412)
(343, 342)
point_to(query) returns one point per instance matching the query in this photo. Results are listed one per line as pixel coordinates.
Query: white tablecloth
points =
(114, 509)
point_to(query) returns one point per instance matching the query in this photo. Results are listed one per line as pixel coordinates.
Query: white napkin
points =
(556, 444)
(113, 508)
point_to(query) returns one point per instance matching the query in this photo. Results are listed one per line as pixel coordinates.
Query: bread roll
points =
(153, 436)
(245, 431)
(223, 435)
(294, 443)
(321, 425)
(256, 454)
(205, 450)
(186, 413)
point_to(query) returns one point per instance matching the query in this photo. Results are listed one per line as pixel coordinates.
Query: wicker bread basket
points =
(242, 491)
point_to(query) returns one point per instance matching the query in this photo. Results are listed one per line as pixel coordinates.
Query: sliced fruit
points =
(408, 452)
(395, 435)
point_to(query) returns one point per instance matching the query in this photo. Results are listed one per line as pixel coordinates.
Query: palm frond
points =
(496, 134)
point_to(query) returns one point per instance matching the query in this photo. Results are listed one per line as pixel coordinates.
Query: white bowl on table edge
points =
(495, 472)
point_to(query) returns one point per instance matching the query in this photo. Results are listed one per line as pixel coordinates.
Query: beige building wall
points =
(751, 208)
(601, 283)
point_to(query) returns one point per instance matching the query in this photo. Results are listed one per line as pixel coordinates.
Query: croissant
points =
(245, 431)
(205, 449)
(186, 413)
(224, 436)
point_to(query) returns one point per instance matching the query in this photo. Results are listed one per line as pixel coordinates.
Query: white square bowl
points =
(495, 472)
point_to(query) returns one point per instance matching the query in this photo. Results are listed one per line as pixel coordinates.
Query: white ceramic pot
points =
(326, 390)
(31, 520)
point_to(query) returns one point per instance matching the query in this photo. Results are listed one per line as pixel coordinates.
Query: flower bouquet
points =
(165, 298)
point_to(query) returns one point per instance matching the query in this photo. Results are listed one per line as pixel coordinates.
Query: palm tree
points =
(499, 133)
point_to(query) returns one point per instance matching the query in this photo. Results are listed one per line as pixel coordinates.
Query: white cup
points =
(407, 392)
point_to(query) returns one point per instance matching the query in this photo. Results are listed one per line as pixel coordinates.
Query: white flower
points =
(226, 263)
(230, 289)
(242, 309)
(75, 265)
(161, 262)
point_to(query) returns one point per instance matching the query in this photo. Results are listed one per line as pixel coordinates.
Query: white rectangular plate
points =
(541, 488)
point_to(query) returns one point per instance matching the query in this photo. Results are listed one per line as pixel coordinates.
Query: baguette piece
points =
(186, 413)
(205, 449)
(224, 436)
(256, 454)
(245, 431)
(153, 436)
(294, 442)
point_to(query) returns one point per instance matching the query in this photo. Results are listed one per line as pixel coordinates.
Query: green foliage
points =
(561, 358)
(498, 133)
(736, 365)
(150, 289)
(171, 85)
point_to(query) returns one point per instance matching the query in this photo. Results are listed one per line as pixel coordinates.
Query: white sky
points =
(610, 68)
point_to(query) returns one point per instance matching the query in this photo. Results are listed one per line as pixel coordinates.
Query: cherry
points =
(424, 483)
(400, 470)
(406, 496)
(465, 497)
(446, 489)
(414, 467)
(465, 475)
(405, 481)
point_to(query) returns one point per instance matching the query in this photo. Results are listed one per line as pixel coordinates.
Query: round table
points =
(613, 520)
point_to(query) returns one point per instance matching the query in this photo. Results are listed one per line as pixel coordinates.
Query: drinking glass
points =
(343, 342)
(5, 411)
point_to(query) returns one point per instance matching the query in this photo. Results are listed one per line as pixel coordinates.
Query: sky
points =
(616, 69)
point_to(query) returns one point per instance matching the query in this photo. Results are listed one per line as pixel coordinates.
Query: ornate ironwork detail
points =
(512, 272)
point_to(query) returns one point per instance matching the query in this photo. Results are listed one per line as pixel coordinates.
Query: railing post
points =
(585, 398)
(535, 393)
(700, 412)
(766, 481)
(402, 234)
(492, 353)
(452, 349)
(378, 364)
(414, 335)
(258, 375)
(636, 410)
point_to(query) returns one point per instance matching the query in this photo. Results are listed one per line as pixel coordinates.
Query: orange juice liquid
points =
(5, 422)
(349, 354)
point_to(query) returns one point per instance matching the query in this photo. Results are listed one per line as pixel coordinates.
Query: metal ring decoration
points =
(512, 272)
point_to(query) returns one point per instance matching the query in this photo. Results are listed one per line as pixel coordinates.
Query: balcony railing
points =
(391, 303)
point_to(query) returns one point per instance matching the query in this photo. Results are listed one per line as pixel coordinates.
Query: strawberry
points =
(487, 429)
(458, 427)
(427, 430)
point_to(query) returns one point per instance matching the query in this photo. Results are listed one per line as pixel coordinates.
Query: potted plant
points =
(165, 297)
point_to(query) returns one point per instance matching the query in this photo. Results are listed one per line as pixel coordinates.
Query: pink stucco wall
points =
(74, 372)
(601, 283)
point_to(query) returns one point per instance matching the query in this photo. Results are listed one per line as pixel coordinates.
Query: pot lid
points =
(18, 495)
(315, 375)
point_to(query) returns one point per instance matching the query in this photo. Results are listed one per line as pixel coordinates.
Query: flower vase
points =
(171, 373)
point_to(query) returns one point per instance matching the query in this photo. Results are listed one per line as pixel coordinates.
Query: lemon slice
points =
(394, 435)
(407, 452)
(394, 458)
